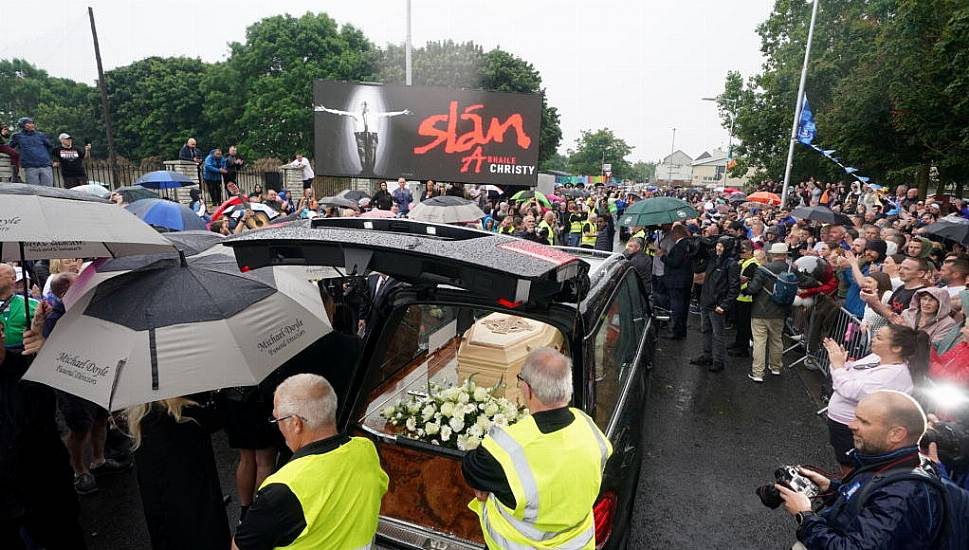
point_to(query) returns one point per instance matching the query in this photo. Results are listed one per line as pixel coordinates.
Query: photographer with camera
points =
(868, 509)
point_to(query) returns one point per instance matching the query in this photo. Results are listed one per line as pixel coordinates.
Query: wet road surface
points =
(711, 440)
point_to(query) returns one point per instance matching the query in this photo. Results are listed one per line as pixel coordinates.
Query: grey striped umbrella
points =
(199, 325)
(446, 209)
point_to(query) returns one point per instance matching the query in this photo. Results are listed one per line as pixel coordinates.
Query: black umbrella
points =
(339, 202)
(132, 194)
(353, 195)
(821, 214)
(738, 197)
(958, 232)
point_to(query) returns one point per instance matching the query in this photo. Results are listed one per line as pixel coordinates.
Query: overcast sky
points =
(639, 67)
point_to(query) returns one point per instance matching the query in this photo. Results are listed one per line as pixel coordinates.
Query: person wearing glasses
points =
(557, 450)
(328, 495)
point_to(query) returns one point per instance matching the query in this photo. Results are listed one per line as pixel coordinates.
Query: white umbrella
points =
(98, 191)
(237, 210)
(154, 334)
(61, 223)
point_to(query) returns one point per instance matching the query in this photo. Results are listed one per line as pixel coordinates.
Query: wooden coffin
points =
(495, 347)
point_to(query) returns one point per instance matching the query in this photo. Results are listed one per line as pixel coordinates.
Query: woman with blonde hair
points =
(177, 474)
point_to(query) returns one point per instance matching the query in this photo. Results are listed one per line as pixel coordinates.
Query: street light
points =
(733, 117)
(407, 50)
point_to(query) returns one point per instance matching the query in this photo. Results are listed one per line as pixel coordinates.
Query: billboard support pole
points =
(407, 50)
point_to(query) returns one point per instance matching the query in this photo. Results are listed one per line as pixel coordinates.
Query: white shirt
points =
(303, 163)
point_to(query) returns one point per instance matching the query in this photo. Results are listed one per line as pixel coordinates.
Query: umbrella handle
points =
(23, 270)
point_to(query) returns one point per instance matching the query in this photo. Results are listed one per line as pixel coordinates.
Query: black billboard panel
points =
(467, 136)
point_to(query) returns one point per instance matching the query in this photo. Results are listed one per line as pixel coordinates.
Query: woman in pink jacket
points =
(929, 312)
(899, 356)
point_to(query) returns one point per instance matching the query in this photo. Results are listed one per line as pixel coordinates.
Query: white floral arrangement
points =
(457, 417)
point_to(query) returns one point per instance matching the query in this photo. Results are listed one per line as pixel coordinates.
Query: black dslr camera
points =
(952, 439)
(790, 477)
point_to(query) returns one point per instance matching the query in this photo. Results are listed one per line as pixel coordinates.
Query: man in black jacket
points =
(678, 279)
(906, 513)
(721, 285)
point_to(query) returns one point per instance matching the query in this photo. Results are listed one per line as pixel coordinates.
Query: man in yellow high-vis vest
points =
(590, 230)
(748, 267)
(546, 228)
(328, 495)
(536, 481)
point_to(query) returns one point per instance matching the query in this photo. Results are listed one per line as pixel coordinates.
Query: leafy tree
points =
(558, 161)
(593, 149)
(156, 106)
(643, 171)
(56, 104)
(262, 96)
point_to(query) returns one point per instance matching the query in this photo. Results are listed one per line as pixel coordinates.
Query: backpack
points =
(785, 287)
(954, 533)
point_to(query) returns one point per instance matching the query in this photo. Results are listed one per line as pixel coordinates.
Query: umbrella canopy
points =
(353, 195)
(954, 231)
(129, 342)
(164, 179)
(94, 189)
(446, 209)
(730, 190)
(167, 214)
(657, 211)
(377, 213)
(764, 197)
(188, 243)
(63, 223)
(340, 202)
(821, 214)
(492, 189)
(528, 194)
(132, 194)
(738, 197)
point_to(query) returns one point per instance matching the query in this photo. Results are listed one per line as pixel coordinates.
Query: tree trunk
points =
(959, 189)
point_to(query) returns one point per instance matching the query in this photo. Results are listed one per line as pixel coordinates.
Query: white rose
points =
(428, 412)
(432, 428)
(472, 443)
(451, 394)
(456, 423)
(491, 409)
(463, 397)
(445, 433)
(484, 423)
(413, 407)
(447, 409)
(462, 443)
(475, 431)
(481, 394)
(388, 412)
(411, 424)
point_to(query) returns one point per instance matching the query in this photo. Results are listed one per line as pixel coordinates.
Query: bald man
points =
(902, 514)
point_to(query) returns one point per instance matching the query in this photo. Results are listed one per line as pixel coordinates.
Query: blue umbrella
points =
(167, 214)
(164, 179)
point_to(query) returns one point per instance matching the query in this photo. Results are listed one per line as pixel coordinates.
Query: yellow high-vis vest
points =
(340, 493)
(543, 225)
(589, 232)
(744, 265)
(555, 479)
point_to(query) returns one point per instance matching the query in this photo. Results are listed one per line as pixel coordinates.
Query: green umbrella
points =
(523, 196)
(657, 211)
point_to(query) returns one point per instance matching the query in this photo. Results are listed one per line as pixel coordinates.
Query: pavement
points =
(711, 440)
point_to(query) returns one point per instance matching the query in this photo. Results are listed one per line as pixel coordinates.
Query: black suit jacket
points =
(678, 265)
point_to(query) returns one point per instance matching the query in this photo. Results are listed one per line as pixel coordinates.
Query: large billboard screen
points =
(466, 136)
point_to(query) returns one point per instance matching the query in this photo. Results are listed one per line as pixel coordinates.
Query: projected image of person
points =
(365, 131)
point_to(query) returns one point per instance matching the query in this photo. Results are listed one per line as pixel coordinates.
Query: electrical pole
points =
(407, 50)
(105, 103)
(800, 102)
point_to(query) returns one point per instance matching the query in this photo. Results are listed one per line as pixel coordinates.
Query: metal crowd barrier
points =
(807, 327)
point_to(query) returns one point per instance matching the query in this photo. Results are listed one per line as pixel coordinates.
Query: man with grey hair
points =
(328, 495)
(557, 450)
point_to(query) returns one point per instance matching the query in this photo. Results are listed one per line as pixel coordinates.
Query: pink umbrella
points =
(554, 198)
(376, 213)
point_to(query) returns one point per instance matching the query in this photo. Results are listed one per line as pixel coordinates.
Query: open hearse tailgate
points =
(499, 266)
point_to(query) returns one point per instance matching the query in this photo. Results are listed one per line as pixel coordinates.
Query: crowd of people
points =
(748, 270)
